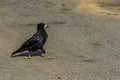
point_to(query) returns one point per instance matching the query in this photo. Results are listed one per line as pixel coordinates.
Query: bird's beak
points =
(46, 26)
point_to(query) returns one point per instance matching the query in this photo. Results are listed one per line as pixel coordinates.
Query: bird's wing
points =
(29, 44)
(32, 41)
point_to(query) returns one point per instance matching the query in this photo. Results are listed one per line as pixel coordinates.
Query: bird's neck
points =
(42, 30)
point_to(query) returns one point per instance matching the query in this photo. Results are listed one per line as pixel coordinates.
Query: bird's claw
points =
(28, 57)
(48, 57)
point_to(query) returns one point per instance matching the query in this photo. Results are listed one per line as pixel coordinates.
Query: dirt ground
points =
(84, 39)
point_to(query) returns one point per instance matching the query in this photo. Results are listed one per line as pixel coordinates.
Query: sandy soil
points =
(84, 40)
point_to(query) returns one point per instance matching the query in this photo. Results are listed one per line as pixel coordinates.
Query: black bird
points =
(36, 42)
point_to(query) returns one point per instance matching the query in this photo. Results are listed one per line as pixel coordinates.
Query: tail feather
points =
(19, 50)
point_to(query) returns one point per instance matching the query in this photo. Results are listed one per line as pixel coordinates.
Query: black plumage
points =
(36, 42)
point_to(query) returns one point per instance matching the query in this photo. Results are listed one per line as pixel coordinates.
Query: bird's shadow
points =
(36, 53)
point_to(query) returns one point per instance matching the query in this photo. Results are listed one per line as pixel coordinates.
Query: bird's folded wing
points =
(32, 42)
(29, 43)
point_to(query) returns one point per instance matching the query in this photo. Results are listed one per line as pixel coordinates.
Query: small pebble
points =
(58, 77)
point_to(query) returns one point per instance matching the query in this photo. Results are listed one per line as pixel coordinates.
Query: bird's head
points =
(41, 26)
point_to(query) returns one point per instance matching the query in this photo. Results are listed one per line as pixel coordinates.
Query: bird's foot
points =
(48, 57)
(42, 56)
(28, 57)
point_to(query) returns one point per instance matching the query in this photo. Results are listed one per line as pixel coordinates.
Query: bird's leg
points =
(41, 53)
(28, 57)
(45, 54)
(48, 57)
(43, 50)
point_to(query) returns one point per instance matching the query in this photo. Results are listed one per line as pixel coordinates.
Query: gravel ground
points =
(84, 40)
